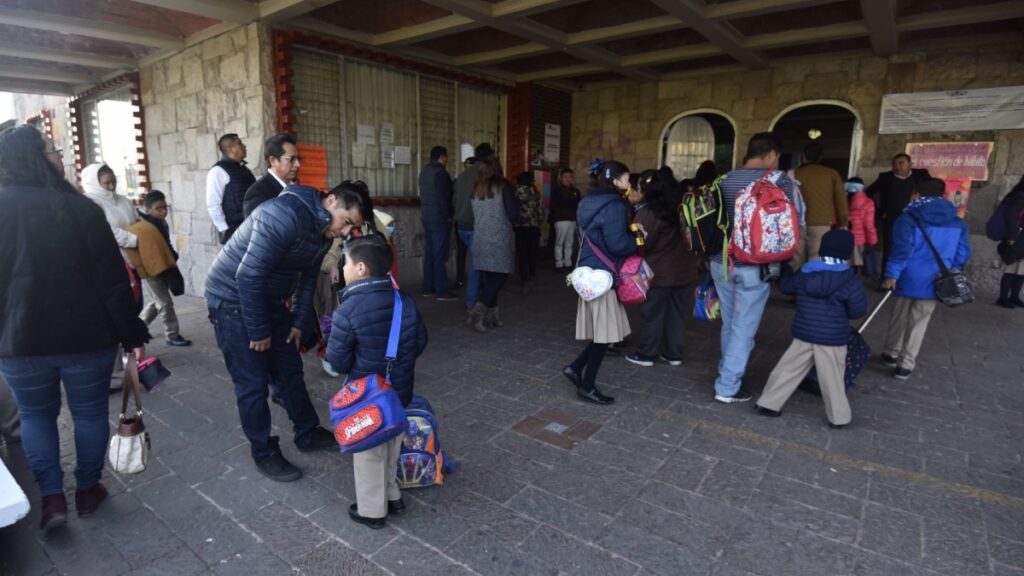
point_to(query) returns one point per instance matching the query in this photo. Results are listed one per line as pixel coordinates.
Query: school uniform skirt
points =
(1015, 268)
(602, 320)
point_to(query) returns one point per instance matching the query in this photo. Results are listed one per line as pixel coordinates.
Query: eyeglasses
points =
(290, 159)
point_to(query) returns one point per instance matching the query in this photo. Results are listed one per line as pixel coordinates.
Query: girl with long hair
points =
(494, 211)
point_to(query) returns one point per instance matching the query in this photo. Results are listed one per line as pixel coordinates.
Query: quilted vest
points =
(241, 179)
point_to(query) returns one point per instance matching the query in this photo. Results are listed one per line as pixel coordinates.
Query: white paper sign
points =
(371, 156)
(403, 155)
(387, 156)
(366, 134)
(953, 111)
(467, 152)
(358, 155)
(387, 133)
(552, 143)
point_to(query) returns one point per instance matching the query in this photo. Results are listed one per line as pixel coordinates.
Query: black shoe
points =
(1005, 304)
(767, 411)
(573, 377)
(277, 468)
(178, 340)
(1017, 302)
(890, 361)
(277, 400)
(319, 440)
(594, 395)
(901, 374)
(612, 351)
(836, 426)
(396, 507)
(447, 297)
(375, 523)
(741, 395)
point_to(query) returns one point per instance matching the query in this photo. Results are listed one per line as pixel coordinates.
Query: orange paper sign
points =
(313, 168)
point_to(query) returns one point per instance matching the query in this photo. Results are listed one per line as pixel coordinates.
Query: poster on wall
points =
(952, 159)
(552, 143)
(387, 156)
(953, 111)
(958, 191)
(403, 155)
(366, 134)
(387, 133)
(313, 171)
(358, 155)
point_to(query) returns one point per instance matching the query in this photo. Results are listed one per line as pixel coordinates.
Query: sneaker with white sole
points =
(902, 374)
(890, 361)
(671, 361)
(328, 368)
(741, 395)
(639, 359)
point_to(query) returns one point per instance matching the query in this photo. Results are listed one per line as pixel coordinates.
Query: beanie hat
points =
(836, 244)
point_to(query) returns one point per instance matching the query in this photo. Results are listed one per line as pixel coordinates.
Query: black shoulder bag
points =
(952, 287)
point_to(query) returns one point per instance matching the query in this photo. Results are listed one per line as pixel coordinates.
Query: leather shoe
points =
(767, 411)
(178, 340)
(573, 376)
(319, 439)
(374, 523)
(396, 507)
(594, 395)
(55, 512)
(86, 501)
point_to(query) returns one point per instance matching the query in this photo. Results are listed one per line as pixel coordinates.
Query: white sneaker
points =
(328, 368)
(671, 362)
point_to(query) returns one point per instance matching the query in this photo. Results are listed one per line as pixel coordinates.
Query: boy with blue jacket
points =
(357, 347)
(911, 269)
(828, 295)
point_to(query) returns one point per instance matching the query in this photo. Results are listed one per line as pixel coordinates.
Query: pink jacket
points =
(862, 219)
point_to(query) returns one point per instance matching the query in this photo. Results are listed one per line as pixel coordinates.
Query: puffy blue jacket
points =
(602, 217)
(911, 261)
(359, 334)
(275, 253)
(828, 296)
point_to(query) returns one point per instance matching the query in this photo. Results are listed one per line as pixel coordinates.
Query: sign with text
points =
(313, 167)
(952, 159)
(552, 143)
(954, 110)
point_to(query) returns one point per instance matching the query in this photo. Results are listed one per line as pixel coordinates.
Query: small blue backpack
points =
(421, 462)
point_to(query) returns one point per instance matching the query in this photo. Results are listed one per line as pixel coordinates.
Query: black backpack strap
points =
(935, 252)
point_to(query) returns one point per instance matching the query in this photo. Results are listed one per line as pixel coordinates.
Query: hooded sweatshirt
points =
(602, 220)
(911, 261)
(828, 296)
(119, 210)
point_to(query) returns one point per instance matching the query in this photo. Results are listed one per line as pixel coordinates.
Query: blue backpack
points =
(421, 462)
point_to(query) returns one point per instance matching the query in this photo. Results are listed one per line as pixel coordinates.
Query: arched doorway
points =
(832, 123)
(695, 136)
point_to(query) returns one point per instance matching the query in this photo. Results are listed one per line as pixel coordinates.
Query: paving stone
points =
(729, 482)
(844, 479)
(255, 560)
(486, 554)
(333, 519)
(20, 553)
(952, 549)
(810, 495)
(936, 504)
(482, 512)
(673, 433)
(763, 547)
(595, 487)
(550, 509)
(621, 458)
(705, 537)
(284, 531)
(211, 534)
(193, 466)
(141, 537)
(1008, 552)
(1003, 520)
(573, 557)
(73, 550)
(891, 532)
(816, 555)
(178, 562)
(333, 557)
(795, 514)
(716, 446)
(655, 554)
(238, 491)
(404, 556)
(432, 524)
(1004, 570)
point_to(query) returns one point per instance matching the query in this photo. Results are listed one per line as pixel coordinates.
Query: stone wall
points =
(28, 105)
(222, 85)
(625, 122)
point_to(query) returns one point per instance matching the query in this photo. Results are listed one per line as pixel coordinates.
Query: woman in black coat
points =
(65, 305)
(1011, 251)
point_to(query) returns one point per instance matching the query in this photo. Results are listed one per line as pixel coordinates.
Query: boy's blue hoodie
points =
(828, 296)
(911, 261)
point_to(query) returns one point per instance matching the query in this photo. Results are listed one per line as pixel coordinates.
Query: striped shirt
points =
(739, 179)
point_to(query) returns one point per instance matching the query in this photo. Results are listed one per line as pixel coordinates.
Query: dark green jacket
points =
(463, 194)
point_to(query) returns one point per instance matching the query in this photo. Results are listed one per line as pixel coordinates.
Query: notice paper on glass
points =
(387, 133)
(403, 155)
(387, 156)
(366, 134)
(371, 156)
(358, 155)
(467, 152)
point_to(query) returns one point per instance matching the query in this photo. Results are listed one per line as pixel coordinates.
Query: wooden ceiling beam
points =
(505, 54)
(722, 35)
(747, 8)
(91, 28)
(962, 16)
(19, 50)
(237, 11)
(880, 17)
(44, 75)
(22, 86)
(564, 72)
(451, 24)
(277, 10)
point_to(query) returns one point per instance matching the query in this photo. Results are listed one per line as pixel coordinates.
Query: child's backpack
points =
(706, 306)
(700, 213)
(421, 463)
(766, 226)
(367, 412)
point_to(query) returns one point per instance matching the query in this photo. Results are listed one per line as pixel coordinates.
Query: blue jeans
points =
(472, 279)
(742, 297)
(435, 257)
(252, 373)
(35, 382)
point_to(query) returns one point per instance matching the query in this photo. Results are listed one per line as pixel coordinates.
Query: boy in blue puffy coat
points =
(911, 269)
(828, 295)
(357, 347)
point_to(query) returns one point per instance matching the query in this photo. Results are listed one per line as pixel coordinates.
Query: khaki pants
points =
(376, 485)
(160, 304)
(907, 326)
(814, 236)
(794, 365)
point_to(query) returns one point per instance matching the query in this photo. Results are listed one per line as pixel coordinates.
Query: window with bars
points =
(110, 137)
(378, 124)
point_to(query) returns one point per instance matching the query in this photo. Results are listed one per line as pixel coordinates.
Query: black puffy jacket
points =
(64, 287)
(828, 296)
(275, 254)
(360, 329)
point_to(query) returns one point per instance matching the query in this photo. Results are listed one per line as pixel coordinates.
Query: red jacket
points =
(862, 219)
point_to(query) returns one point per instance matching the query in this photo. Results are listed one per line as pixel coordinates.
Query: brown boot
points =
(55, 512)
(493, 318)
(476, 317)
(86, 501)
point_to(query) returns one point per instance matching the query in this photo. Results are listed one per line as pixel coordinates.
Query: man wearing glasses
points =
(282, 157)
(226, 183)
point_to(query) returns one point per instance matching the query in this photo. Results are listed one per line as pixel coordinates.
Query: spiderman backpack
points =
(367, 412)
(422, 463)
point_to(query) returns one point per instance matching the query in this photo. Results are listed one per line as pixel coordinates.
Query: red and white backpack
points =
(766, 227)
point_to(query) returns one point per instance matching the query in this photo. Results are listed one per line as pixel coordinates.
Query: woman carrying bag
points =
(603, 223)
(59, 323)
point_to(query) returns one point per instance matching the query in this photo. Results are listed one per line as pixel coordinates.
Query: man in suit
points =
(892, 190)
(282, 155)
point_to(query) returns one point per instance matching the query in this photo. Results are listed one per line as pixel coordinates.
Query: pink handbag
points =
(632, 279)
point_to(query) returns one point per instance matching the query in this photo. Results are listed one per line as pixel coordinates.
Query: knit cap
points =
(836, 244)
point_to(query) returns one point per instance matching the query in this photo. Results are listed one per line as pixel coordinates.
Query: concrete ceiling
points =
(571, 42)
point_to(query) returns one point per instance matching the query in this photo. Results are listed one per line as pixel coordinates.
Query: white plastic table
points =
(13, 503)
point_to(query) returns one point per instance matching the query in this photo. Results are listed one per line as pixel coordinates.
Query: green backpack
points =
(703, 215)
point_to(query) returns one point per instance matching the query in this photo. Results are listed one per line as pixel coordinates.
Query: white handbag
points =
(129, 446)
(588, 282)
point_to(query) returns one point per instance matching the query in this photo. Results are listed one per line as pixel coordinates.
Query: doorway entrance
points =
(696, 136)
(834, 125)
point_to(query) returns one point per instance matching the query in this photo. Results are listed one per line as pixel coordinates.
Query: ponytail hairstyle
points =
(609, 172)
(662, 196)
